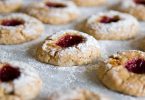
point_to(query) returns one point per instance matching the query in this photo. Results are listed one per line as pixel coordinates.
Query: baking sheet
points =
(56, 78)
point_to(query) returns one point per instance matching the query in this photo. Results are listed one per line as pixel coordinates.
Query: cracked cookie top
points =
(133, 61)
(68, 48)
(125, 72)
(68, 39)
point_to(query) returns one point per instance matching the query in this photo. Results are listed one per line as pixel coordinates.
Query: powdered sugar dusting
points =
(125, 21)
(63, 78)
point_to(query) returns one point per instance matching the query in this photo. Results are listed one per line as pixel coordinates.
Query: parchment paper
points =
(56, 78)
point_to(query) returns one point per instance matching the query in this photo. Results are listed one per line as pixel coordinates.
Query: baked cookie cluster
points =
(122, 72)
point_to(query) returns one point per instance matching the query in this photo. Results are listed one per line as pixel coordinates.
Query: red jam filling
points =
(9, 73)
(136, 66)
(69, 40)
(55, 5)
(106, 19)
(12, 22)
(140, 2)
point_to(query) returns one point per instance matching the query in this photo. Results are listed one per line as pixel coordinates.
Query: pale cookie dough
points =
(54, 12)
(134, 7)
(18, 81)
(76, 94)
(142, 44)
(18, 28)
(7, 6)
(67, 48)
(89, 2)
(124, 72)
(111, 25)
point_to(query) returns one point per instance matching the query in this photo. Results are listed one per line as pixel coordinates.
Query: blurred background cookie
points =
(76, 94)
(111, 25)
(53, 12)
(89, 2)
(134, 7)
(7, 6)
(18, 28)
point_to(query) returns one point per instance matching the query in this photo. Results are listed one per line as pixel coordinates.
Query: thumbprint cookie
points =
(76, 94)
(18, 28)
(89, 2)
(18, 81)
(68, 48)
(133, 7)
(125, 72)
(7, 6)
(54, 11)
(111, 25)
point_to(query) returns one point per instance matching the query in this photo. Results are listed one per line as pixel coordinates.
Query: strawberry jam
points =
(69, 40)
(106, 19)
(12, 22)
(55, 5)
(9, 73)
(136, 66)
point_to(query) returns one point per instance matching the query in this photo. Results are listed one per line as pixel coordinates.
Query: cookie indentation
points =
(9, 73)
(12, 22)
(55, 5)
(106, 19)
(140, 2)
(136, 66)
(69, 40)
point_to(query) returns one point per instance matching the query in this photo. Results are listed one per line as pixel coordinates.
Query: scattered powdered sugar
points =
(55, 78)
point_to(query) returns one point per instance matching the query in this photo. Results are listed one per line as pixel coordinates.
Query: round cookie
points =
(54, 12)
(68, 48)
(134, 7)
(18, 28)
(7, 6)
(75, 94)
(18, 81)
(89, 2)
(111, 25)
(125, 72)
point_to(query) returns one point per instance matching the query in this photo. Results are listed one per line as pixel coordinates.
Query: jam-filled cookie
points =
(125, 72)
(54, 11)
(76, 94)
(134, 7)
(89, 2)
(67, 48)
(7, 6)
(17, 28)
(18, 81)
(111, 25)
